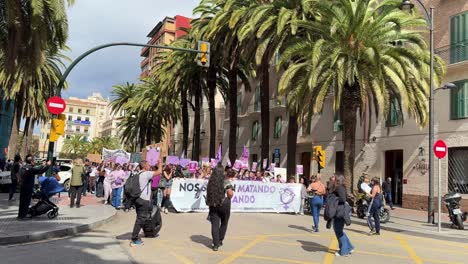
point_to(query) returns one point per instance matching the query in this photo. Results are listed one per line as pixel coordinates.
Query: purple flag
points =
(220, 152)
(237, 165)
(213, 163)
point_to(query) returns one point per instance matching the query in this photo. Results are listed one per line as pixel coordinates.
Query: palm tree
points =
(349, 53)
(96, 145)
(75, 145)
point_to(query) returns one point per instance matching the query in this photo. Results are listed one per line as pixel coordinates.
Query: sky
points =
(96, 22)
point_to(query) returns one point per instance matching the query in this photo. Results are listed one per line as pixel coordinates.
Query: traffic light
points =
(203, 58)
(319, 155)
(57, 128)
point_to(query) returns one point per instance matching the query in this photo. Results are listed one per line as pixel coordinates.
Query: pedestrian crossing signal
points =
(203, 58)
(57, 128)
(319, 156)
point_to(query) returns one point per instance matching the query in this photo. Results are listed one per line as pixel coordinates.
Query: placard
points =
(192, 166)
(299, 169)
(172, 160)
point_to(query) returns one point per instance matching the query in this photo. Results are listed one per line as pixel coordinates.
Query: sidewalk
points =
(414, 222)
(69, 221)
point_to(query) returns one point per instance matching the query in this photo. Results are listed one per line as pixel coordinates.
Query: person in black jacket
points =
(27, 184)
(346, 248)
(15, 169)
(387, 191)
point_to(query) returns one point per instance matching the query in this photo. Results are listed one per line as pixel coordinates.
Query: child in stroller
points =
(49, 187)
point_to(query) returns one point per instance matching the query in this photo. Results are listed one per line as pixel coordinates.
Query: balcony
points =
(455, 53)
(79, 122)
(280, 101)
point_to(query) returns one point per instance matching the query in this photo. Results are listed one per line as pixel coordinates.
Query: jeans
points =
(75, 192)
(85, 184)
(219, 217)
(14, 183)
(389, 198)
(116, 196)
(374, 213)
(343, 240)
(157, 196)
(316, 204)
(143, 208)
(92, 184)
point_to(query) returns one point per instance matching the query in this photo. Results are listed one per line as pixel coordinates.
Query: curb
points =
(69, 231)
(415, 233)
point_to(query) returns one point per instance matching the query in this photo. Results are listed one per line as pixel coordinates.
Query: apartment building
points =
(86, 117)
(387, 147)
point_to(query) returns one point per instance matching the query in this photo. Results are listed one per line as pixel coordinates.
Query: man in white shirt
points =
(365, 187)
(143, 204)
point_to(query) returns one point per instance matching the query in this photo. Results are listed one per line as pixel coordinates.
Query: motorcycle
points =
(452, 201)
(363, 207)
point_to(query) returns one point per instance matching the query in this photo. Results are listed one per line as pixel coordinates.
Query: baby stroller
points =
(49, 187)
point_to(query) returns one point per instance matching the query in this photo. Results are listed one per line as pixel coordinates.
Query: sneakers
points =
(78, 206)
(215, 248)
(136, 243)
(165, 211)
(339, 255)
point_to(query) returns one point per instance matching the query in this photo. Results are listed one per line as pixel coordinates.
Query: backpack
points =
(331, 207)
(132, 187)
(22, 171)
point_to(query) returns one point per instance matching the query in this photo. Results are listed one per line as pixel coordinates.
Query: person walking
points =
(15, 177)
(218, 197)
(87, 169)
(316, 191)
(118, 177)
(27, 184)
(345, 246)
(77, 182)
(107, 185)
(143, 204)
(375, 205)
(92, 178)
(387, 192)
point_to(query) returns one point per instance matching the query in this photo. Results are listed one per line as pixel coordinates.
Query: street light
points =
(407, 5)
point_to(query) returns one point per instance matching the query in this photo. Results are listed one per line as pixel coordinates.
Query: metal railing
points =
(454, 53)
(458, 170)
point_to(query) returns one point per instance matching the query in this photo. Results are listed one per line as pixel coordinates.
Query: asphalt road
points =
(251, 238)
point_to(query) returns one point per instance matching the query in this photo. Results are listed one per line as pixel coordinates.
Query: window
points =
(278, 127)
(88, 111)
(458, 170)
(255, 130)
(78, 118)
(459, 38)
(79, 110)
(78, 129)
(459, 100)
(339, 162)
(86, 130)
(68, 136)
(394, 116)
(257, 99)
(239, 103)
(337, 124)
(71, 109)
(87, 118)
(70, 118)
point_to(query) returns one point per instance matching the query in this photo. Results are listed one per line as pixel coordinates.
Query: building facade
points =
(385, 148)
(85, 117)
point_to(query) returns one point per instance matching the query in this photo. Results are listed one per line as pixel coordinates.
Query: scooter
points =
(363, 207)
(452, 201)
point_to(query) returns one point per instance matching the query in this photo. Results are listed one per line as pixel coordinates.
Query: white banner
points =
(188, 195)
(115, 155)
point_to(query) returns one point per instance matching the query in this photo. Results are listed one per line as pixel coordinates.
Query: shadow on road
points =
(302, 228)
(126, 236)
(203, 240)
(312, 246)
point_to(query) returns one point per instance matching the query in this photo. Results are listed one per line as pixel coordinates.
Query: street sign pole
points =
(439, 195)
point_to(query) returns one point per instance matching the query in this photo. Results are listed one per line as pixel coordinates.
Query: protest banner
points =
(172, 160)
(112, 155)
(184, 162)
(188, 195)
(153, 156)
(193, 165)
(299, 169)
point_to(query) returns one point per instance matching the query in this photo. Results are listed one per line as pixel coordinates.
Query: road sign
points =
(440, 149)
(56, 105)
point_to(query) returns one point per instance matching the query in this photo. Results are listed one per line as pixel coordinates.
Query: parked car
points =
(65, 175)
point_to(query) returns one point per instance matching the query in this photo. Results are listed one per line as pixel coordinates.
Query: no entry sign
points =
(56, 105)
(440, 149)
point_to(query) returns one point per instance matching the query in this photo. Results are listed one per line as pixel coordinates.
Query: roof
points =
(159, 25)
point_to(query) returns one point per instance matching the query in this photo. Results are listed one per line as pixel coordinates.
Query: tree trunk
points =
(196, 124)
(349, 105)
(24, 141)
(14, 133)
(292, 144)
(265, 106)
(185, 121)
(233, 107)
(211, 82)
(29, 138)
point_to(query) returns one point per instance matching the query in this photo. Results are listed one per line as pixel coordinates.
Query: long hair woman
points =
(346, 248)
(218, 197)
(374, 209)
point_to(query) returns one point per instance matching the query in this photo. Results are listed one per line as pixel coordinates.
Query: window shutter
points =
(337, 125)
(459, 38)
(464, 99)
(454, 103)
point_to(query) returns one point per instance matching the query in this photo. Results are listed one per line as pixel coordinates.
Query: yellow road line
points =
(239, 253)
(276, 259)
(410, 250)
(181, 258)
(330, 256)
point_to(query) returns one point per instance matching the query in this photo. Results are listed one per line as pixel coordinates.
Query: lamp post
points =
(407, 5)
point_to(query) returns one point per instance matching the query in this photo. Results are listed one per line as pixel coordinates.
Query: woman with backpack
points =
(376, 203)
(346, 248)
(218, 197)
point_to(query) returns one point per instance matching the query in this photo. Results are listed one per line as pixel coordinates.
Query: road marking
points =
(181, 258)
(410, 250)
(239, 253)
(276, 259)
(330, 256)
